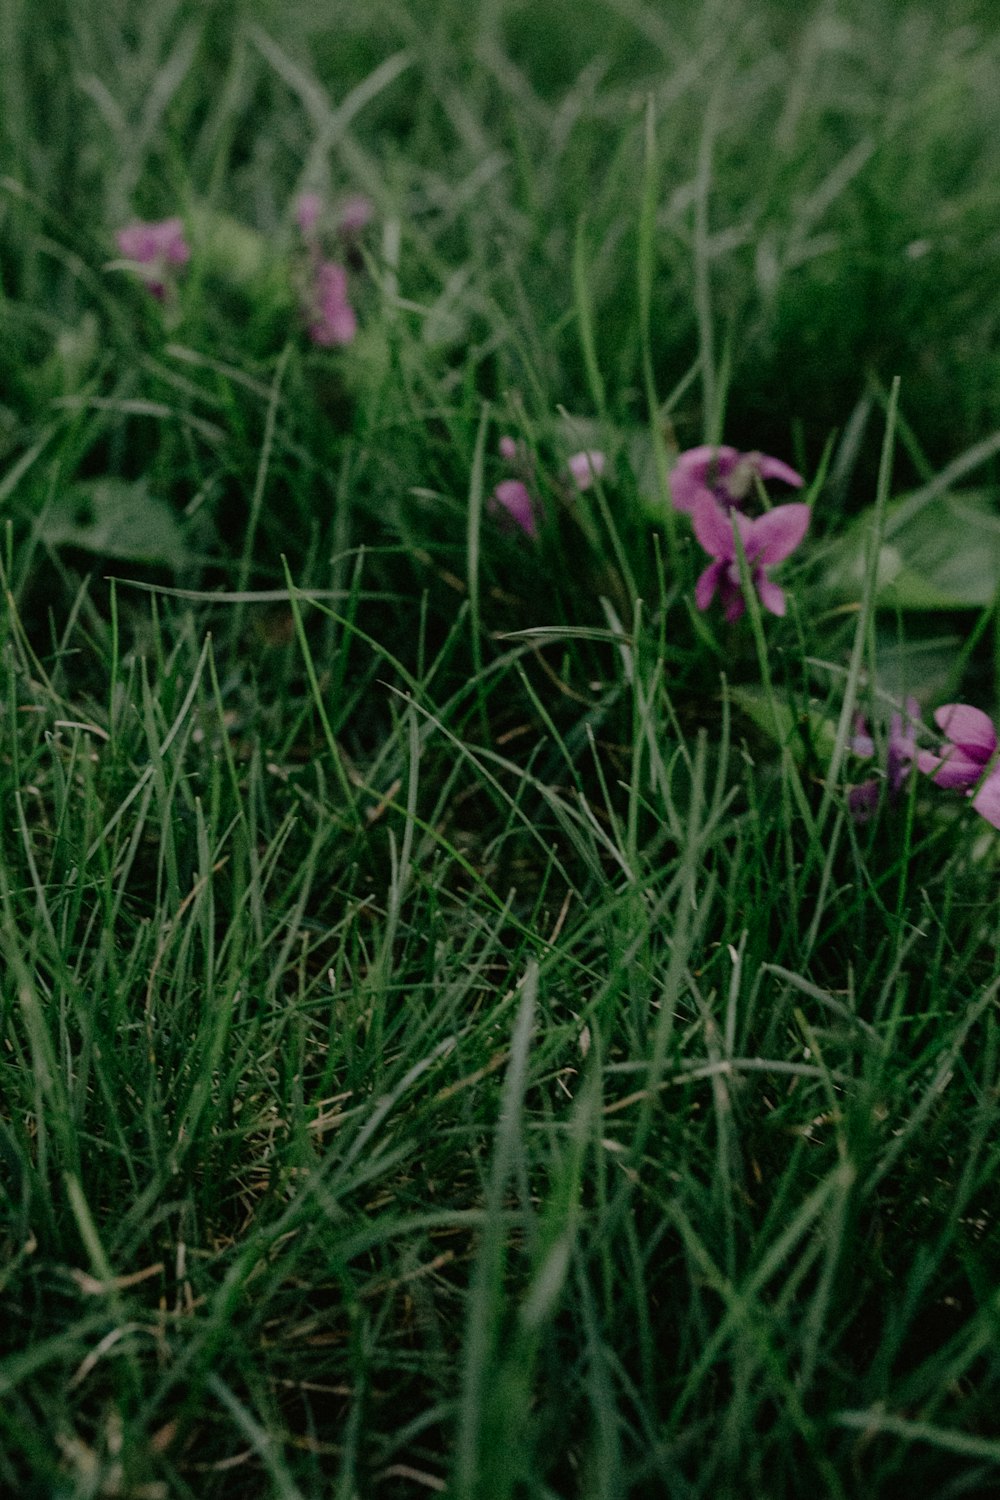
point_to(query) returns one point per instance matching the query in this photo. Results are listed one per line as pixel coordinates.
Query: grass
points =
(453, 1037)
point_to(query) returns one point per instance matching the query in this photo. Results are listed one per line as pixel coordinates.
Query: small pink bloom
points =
(308, 207)
(356, 213)
(861, 741)
(332, 319)
(901, 755)
(586, 467)
(766, 541)
(514, 499)
(966, 762)
(724, 475)
(148, 244)
(508, 449)
(154, 248)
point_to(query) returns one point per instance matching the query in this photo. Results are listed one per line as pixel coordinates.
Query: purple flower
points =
(308, 207)
(356, 213)
(331, 316)
(723, 474)
(862, 800)
(901, 753)
(514, 499)
(965, 764)
(154, 248)
(766, 541)
(585, 467)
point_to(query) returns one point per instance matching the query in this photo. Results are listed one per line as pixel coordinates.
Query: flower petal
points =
(956, 769)
(901, 751)
(585, 467)
(773, 468)
(173, 245)
(708, 582)
(861, 742)
(308, 207)
(355, 213)
(987, 799)
(774, 536)
(697, 471)
(713, 528)
(514, 498)
(734, 601)
(147, 243)
(771, 596)
(968, 727)
(333, 320)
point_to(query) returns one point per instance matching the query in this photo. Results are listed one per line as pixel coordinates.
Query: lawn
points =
(500, 552)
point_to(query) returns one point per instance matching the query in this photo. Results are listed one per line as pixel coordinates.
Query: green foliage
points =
(452, 1035)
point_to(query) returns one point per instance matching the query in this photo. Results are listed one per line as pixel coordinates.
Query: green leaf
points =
(791, 728)
(114, 518)
(946, 557)
(228, 248)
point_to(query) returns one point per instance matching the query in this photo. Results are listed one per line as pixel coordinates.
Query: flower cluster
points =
(965, 762)
(329, 316)
(514, 498)
(712, 485)
(901, 752)
(156, 251)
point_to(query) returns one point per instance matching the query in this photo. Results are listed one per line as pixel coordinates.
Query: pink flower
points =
(723, 474)
(148, 244)
(332, 319)
(863, 800)
(356, 213)
(966, 761)
(308, 207)
(766, 541)
(154, 248)
(514, 498)
(585, 467)
(901, 753)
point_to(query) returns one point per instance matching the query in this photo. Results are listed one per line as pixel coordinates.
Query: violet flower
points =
(901, 753)
(356, 213)
(331, 316)
(513, 497)
(308, 207)
(863, 800)
(966, 761)
(766, 541)
(586, 467)
(723, 474)
(154, 248)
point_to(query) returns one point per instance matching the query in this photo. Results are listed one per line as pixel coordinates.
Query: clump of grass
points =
(453, 1036)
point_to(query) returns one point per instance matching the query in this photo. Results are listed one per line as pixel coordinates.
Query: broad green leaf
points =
(946, 557)
(114, 518)
(229, 249)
